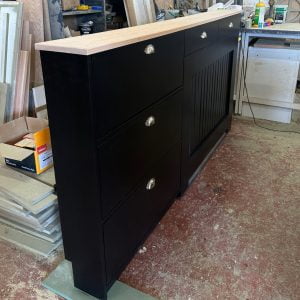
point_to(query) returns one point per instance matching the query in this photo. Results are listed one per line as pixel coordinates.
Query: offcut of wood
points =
(21, 188)
(27, 241)
(52, 238)
(20, 89)
(3, 93)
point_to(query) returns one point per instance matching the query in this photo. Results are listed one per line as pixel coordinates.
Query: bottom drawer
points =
(128, 227)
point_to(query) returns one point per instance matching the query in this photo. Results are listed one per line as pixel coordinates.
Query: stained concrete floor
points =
(235, 234)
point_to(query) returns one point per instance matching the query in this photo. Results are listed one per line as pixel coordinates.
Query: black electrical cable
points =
(248, 99)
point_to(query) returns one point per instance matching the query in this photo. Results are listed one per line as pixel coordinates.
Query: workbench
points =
(279, 31)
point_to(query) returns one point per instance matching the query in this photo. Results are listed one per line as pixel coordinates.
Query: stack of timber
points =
(28, 212)
(22, 24)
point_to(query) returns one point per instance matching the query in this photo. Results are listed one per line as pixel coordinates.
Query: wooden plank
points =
(21, 188)
(27, 241)
(44, 204)
(3, 93)
(52, 238)
(10, 204)
(22, 72)
(103, 41)
(47, 28)
(33, 11)
(27, 83)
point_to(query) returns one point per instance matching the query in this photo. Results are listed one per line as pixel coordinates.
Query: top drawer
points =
(230, 27)
(140, 74)
(200, 37)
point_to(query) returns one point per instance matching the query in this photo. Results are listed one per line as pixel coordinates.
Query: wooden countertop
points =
(103, 41)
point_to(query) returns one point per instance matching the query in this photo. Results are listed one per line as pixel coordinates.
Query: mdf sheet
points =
(27, 241)
(21, 188)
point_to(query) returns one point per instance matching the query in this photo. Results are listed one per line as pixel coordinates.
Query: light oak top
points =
(103, 41)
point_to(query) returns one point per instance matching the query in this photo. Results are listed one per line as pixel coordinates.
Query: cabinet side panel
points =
(67, 87)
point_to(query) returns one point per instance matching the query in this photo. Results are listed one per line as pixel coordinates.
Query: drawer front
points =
(128, 227)
(140, 75)
(127, 156)
(200, 37)
(230, 27)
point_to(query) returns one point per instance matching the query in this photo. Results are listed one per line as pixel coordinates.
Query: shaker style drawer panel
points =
(133, 78)
(128, 227)
(126, 156)
(230, 27)
(200, 37)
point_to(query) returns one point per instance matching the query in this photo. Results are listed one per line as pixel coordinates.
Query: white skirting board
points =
(266, 112)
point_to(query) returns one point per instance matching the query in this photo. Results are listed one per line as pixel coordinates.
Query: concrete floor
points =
(235, 234)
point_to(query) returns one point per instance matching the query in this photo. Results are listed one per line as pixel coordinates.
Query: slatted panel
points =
(210, 96)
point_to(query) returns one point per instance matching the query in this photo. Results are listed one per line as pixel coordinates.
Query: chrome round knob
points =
(230, 25)
(149, 49)
(204, 35)
(151, 184)
(150, 121)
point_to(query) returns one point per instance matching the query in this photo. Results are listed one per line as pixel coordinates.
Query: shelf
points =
(81, 12)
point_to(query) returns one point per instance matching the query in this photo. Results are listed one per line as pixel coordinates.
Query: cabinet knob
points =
(204, 35)
(150, 121)
(149, 49)
(151, 184)
(230, 25)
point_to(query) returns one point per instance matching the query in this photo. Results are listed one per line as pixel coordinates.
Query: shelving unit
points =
(72, 19)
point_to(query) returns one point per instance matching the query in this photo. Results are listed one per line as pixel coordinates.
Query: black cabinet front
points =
(127, 80)
(128, 154)
(207, 98)
(129, 128)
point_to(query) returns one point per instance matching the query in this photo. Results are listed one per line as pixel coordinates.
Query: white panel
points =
(271, 76)
(266, 112)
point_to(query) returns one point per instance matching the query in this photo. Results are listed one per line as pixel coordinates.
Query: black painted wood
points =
(75, 156)
(207, 102)
(125, 230)
(128, 154)
(126, 80)
(104, 154)
(194, 39)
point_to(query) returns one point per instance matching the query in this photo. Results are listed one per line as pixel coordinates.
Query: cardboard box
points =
(35, 160)
(69, 4)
